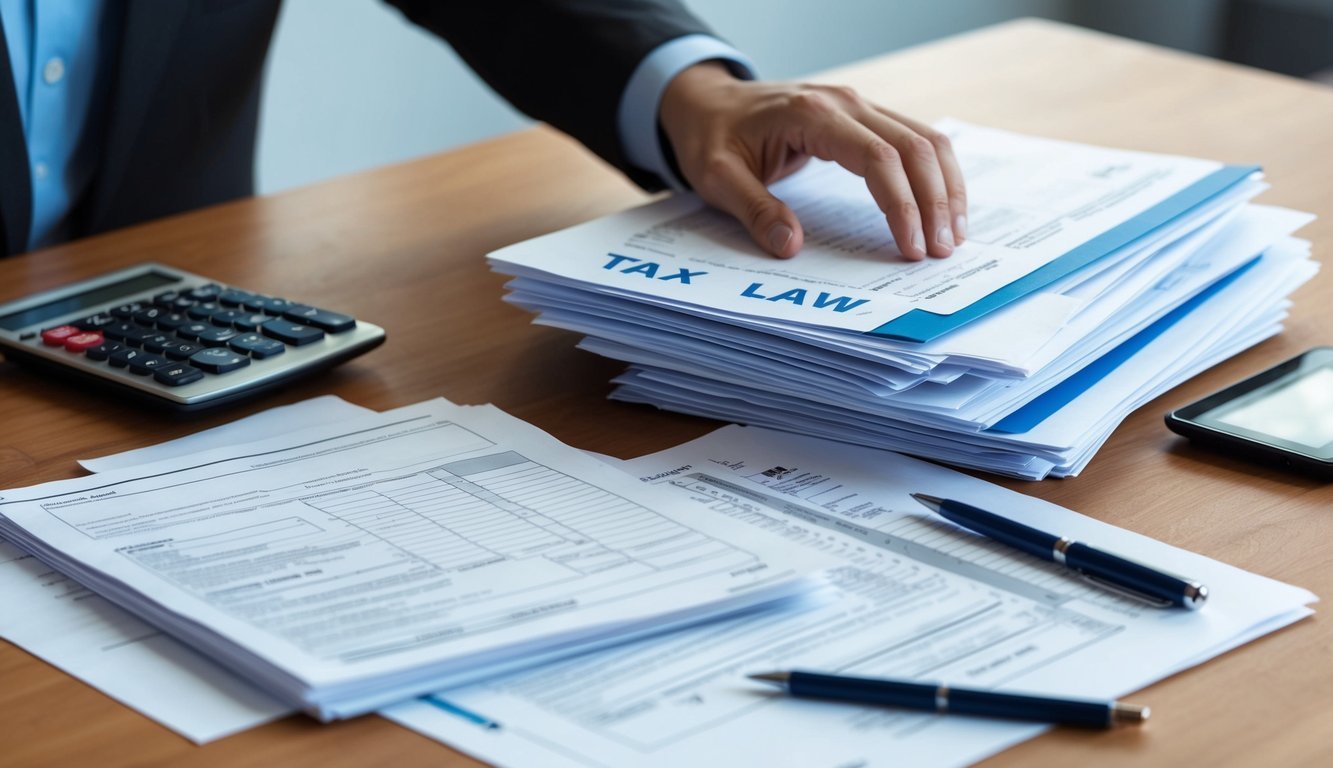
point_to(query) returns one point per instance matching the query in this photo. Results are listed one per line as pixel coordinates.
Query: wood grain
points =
(403, 247)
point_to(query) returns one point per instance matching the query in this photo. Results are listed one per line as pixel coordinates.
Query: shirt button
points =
(54, 71)
(40, 170)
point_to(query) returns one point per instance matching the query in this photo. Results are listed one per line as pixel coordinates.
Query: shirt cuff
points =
(636, 119)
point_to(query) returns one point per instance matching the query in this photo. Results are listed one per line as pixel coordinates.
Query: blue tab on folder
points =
(921, 326)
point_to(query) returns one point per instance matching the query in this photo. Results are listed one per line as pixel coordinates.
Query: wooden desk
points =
(403, 247)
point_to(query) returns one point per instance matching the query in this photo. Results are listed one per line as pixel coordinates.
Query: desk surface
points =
(403, 247)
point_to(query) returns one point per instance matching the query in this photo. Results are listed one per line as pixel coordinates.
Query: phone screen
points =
(1283, 415)
(1298, 411)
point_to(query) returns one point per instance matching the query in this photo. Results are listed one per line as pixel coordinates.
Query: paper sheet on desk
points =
(918, 598)
(55, 619)
(325, 409)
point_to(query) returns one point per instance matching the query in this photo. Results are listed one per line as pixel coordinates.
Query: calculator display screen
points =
(90, 298)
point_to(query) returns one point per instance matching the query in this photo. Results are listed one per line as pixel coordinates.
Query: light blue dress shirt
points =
(59, 51)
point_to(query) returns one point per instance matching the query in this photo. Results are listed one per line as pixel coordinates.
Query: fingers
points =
(835, 135)
(949, 167)
(909, 168)
(930, 187)
(731, 138)
(730, 185)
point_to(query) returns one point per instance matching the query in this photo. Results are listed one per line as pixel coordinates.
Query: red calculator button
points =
(81, 341)
(55, 337)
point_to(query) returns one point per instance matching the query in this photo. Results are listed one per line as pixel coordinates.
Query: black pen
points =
(934, 697)
(1102, 568)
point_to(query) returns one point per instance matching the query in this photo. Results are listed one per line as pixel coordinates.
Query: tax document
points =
(915, 597)
(313, 412)
(64, 623)
(347, 566)
(1030, 202)
(60, 621)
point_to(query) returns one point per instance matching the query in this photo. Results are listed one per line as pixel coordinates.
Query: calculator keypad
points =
(179, 337)
(218, 360)
(156, 343)
(177, 374)
(181, 350)
(125, 311)
(146, 362)
(228, 318)
(96, 322)
(217, 337)
(55, 337)
(256, 346)
(122, 357)
(104, 350)
(170, 321)
(81, 342)
(291, 333)
(204, 293)
(329, 322)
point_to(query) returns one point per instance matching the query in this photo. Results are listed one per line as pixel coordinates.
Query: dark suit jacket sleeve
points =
(562, 61)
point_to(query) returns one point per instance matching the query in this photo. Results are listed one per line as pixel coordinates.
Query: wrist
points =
(638, 120)
(691, 95)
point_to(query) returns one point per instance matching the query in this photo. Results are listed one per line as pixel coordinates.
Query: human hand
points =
(734, 137)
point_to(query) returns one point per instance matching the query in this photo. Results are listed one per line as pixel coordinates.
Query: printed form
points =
(915, 597)
(350, 565)
(58, 620)
(54, 618)
(1030, 201)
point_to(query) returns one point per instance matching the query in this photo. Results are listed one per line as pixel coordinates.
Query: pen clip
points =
(1155, 602)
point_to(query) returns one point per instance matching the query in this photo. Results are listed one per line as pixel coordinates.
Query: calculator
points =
(177, 339)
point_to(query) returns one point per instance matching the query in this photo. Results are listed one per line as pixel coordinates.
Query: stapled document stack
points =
(1092, 280)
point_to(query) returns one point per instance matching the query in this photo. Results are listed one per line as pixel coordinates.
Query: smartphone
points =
(1282, 416)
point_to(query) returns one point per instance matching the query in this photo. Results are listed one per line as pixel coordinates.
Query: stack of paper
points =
(353, 565)
(1092, 280)
(56, 619)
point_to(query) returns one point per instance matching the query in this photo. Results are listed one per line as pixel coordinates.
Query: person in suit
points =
(114, 112)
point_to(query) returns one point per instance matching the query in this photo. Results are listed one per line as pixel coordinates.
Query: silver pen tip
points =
(930, 502)
(1129, 714)
(779, 678)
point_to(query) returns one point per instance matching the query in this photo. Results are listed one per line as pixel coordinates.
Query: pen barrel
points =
(933, 697)
(885, 692)
(1009, 532)
(1132, 576)
(1088, 714)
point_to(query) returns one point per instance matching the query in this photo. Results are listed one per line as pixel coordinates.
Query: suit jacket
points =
(184, 105)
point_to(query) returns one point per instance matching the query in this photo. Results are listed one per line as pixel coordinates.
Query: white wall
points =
(352, 85)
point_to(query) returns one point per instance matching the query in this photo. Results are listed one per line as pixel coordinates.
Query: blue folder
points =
(920, 326)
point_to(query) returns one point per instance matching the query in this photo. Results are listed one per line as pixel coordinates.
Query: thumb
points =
(732, 187)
